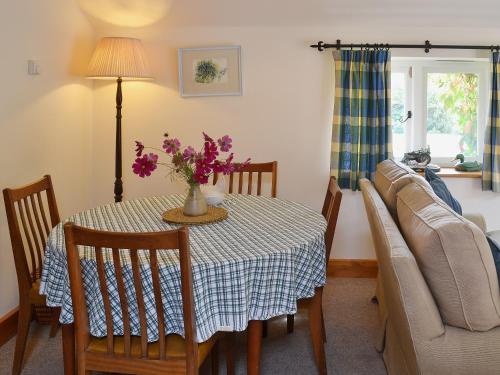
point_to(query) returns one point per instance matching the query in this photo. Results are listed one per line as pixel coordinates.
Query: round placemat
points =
(176, 216)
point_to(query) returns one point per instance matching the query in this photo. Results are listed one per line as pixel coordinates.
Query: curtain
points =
(491, 155)
(361, 136)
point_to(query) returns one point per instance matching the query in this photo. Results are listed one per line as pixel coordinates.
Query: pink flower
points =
(189, 154)
(210, 151)
(171, 146)
(225, 143)
(225, 167)
(144, 165)
(139, 147)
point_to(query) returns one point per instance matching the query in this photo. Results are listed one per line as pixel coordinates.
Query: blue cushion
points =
(442, 191)
(495, 250)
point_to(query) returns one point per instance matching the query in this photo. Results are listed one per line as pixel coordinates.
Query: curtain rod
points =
(427, 46)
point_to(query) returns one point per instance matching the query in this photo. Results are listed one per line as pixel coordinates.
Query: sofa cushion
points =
(454, 257)
(391, 177)
(389, 171)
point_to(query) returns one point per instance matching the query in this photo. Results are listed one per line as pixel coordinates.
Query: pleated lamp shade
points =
(119, 58)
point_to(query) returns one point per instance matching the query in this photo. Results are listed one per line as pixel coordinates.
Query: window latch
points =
(408, 116)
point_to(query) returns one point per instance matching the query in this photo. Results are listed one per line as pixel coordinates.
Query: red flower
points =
(144, 165)
(207, 138)
(139, 147)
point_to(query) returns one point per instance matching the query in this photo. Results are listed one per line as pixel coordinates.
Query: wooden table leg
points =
(316, 326)
(254, 343)
(68, 338)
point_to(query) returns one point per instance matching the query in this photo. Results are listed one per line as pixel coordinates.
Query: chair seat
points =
(175, 347)
(34, 295)
(304, 303)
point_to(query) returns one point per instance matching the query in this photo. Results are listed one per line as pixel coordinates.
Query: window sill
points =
(451, 172)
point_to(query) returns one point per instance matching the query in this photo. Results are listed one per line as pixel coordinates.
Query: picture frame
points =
(210, 71)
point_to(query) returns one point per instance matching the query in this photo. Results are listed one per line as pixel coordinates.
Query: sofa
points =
(437, 288)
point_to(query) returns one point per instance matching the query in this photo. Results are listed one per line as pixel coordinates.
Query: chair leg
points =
(54, 321)
(254, 346)
(290, 319)
(229, 354)
(264, 328)
(323, 329)
(215, 358)
(314, 311)
(23, 326)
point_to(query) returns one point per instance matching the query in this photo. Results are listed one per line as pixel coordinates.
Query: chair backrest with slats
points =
(29, 226)
(114, 244)
(331, 208)
(249, 170)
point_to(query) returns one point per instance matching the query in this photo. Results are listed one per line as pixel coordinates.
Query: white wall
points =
(45, 120)
(284, 113)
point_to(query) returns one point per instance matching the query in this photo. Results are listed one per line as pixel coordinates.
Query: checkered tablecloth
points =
(252, 266)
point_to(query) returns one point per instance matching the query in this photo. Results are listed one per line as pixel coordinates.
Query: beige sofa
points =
(439, 300)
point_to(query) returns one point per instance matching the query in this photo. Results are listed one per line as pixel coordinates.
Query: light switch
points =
(33, 68)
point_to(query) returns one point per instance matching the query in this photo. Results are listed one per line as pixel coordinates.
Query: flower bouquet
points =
(195, 167)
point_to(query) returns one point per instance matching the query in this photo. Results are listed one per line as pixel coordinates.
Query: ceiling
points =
(353, 13)
(424, 13)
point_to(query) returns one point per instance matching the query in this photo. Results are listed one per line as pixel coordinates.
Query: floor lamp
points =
(120, 59)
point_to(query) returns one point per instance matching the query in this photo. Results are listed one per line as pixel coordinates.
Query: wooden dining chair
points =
(330, 211)
(247, 171)
(126, 354)
(29, 227)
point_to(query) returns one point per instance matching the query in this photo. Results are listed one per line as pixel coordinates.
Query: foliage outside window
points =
(448, 100)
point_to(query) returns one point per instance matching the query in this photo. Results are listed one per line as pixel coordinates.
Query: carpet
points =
(351, 326)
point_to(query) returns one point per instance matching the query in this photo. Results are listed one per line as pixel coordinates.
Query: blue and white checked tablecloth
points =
(252, 266)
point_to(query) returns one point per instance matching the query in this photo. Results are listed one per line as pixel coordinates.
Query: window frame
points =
(417, 70)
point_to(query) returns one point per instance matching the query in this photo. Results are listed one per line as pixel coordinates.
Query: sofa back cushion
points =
(391, 177)
(454, 257)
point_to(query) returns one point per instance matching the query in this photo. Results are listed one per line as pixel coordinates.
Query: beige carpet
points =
(351, 321)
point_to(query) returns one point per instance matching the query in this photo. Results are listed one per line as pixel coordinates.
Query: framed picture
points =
(211, 71)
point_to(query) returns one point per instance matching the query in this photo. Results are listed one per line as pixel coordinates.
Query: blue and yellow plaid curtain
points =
(491, 155)
(362, 133)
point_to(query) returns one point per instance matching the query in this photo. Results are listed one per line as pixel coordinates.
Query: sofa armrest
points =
(477, 219)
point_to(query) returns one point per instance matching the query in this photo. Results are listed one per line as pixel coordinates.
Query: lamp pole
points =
(118, 151)
(117, 58)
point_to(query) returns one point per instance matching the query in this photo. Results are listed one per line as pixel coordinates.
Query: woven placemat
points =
(176, 216)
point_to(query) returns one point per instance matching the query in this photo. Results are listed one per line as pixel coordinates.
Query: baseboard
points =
(366, 268)
(8, 326)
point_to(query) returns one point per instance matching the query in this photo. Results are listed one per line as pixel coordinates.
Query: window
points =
(448, 101)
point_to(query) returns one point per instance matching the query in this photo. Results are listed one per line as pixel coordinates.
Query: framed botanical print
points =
(210, 71)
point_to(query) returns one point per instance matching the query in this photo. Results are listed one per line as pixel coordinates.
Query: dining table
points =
(253, 266)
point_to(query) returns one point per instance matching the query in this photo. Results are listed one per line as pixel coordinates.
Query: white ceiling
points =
(421, 13)
(357, 14)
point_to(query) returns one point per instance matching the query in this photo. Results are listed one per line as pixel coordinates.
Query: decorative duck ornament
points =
(467, 166)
